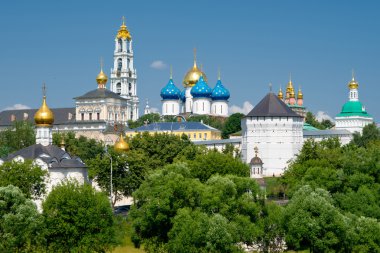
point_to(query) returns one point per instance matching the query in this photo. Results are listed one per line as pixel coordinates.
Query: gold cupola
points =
(44, 116)
(121, 145)
(280, 95)
(192, 76)
(292, 94)
(101, 78)
(123, 32)
(353, 84)
(300, 94)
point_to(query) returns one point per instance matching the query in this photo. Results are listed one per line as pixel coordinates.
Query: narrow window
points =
(98, 116)
(82, 116)
(90, 116)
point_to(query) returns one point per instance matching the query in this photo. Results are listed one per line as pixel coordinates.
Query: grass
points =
(128, 245)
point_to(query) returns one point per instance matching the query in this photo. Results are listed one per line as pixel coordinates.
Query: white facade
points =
(202, 106)
(219, 108)
(124, 74)
(44, 135)
(170, 107)
(279, 139)
(352, 123)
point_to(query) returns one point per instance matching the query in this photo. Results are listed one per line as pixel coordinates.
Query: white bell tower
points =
(123, 73)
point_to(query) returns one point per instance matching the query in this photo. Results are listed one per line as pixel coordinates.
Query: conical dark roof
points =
(272, 106)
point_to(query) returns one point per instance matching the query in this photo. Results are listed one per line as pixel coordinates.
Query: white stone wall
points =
(219, 108)
(353, 123)
(44, 135)
(170, 107)
(278, 140)
(202, 106)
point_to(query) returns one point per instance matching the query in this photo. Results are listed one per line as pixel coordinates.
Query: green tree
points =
(27, 176)
(175, 212)
(312, 221)
(19, 135)
(144, 119)
(80, 219)
(128, 171)
(232, 125)
(21, 226)
(205, 165)
(81, 146)
(370, 133)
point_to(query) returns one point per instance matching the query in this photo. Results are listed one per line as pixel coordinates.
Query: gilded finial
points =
(219, 73)
(195, 57)
(280, 95)
(101, 78)
(171, 72)
(353, 75)
(123, 18)
(290, 77)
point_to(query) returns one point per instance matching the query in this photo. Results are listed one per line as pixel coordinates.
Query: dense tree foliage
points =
(21, 225)
(19, 135)
(371, 133)
(80, 219)
(145, 119)
(175, 212)
(81, 146)
(232, 125)
(27, 176)
(324, 124)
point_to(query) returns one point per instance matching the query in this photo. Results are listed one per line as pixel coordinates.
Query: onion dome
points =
(123, 32)
(121, 145)
(44, 116)
(101, 79)
(192, 76)
(182, 96)
(300, 94)
(170, 91)
(201, 89)
(280, 95)
(292, 94)
(256, 160)
(220, 92)
(353, 84)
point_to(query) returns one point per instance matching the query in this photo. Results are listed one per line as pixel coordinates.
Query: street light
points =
(121, 146)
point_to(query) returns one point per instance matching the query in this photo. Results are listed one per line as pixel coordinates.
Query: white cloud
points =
(158, 65)
(154, 110)
(321, 115)
(16, 107)
(245, 109)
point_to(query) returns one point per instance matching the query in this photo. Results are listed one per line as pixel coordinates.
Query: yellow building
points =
(196, 131)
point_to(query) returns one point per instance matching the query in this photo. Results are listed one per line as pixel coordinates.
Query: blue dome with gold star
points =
(220, 92)
(201, 89)
(170, 91)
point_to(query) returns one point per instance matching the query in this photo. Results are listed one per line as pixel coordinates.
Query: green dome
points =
(353, 108)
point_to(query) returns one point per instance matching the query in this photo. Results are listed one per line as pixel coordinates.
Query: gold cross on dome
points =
(44, 90)
(256, 150)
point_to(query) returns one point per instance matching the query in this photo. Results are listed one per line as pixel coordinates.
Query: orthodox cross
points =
(256, 150)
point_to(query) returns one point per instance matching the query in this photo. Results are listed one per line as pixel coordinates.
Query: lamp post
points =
(111, 185)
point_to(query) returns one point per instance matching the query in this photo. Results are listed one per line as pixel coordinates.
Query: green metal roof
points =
(353, 108)
(308, 127)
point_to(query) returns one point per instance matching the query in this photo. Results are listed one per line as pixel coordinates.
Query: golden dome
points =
(192, 76)
(290, 88)
(121, 145)
(44, 116)
(280, 94)
(123, 32)
(291, 94)
(101, 78)
(353, 84)
(299, 95)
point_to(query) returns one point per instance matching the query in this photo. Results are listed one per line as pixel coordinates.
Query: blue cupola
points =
(201, 89)
(170, 91)
(220, 92)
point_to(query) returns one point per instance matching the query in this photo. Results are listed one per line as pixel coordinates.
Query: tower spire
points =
(353, 75)
(123, 18)
(171, 71)
(270, 87)
(219, 73)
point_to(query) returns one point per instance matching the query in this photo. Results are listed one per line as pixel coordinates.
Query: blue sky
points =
(253, 43)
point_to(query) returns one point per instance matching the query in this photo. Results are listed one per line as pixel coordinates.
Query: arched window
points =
(130, 89)
(119, 64)
(128, 63)
(120, 42)
(118, 88)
